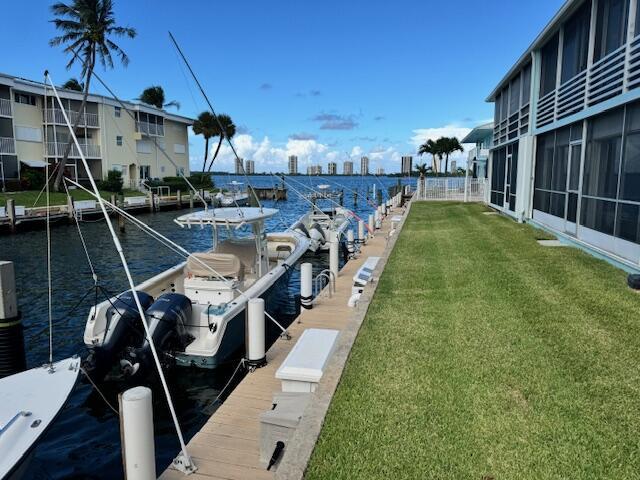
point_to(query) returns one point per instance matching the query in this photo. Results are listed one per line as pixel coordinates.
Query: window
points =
(117, 112)
(603, 155)
(499, 159)
(24, 98)
(28, 134)
(526, 85)
(575, 45)
(143, 146)
(119, 140)
(544, 161)
(549, 66)
(514, 96)
(611, 27)
(598, 215)
(497, 116)
(505, 104)
(178, 148)
(630, 173)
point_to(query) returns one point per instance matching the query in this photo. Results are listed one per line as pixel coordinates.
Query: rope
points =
(84, 244)
(99, 392)
(228, 383)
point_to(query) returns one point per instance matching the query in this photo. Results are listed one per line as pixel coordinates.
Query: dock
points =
(227, 446)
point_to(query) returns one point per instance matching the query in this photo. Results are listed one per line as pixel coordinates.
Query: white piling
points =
(256, 333)
(136, 425)
(351, 244)
(372, 223)
(334, 251)
(362, 236)
(306, 286)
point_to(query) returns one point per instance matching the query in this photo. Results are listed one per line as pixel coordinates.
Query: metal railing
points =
(452, 188)
(88, 149)
(150, 128)
(318, 284)
(55, 116)
(5, 107)
(478, 153)
(7, 145)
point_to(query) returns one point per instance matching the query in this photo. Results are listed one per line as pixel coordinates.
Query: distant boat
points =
(235, 197)
(29, 403)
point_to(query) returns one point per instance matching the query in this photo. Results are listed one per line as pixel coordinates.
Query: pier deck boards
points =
(227, 446)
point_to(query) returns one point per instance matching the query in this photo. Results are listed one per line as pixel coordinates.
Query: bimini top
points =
(226, 216)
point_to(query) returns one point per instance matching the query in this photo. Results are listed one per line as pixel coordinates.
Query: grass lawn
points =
(486, 356)
(28, 197)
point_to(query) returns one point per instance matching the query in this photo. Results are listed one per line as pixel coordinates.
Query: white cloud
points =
(421, 135)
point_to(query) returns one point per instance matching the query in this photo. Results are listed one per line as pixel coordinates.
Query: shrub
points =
(113, 183)
(199, 181)
(32, 179)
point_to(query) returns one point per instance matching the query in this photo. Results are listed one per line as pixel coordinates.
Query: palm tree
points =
(207, 126)
(87, 28)
(73, 84)
(431, 148)
(449, 145)
(226, 129)
(154, 96)
(422, 172)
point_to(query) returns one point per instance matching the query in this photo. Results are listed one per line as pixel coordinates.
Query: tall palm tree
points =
(226, 129)
(449, 145)
(207, 126)
(154, 96)
(73, 84)
(87, 28)
(432, 148)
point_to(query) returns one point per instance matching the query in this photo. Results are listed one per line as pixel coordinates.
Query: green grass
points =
(486, 356)
(28, 197)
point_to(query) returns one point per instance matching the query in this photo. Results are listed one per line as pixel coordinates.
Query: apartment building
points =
(239, 166)
(478, 156)
(364, 166)
(332, 168)
(250, 167)
(566, 151)
(379, 171)
(314, 170)
(347, 168)
(407, 165)
(33, 131)
(293, 164)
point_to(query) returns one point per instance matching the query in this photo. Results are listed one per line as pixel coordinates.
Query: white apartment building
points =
(314, 170)
(332, 168)
(379, 171)
(250, 167)
(110, 138)
(364, 166)
(407, 165)
(347, 168)
(293, 164)
(566, 151)
(239, 164)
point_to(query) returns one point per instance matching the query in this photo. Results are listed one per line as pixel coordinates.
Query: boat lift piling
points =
(12, 352)
(256, 351)
(334, 250)
(306, 286)
(136, 433)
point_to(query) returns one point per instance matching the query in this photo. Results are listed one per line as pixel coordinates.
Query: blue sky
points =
(317, 79)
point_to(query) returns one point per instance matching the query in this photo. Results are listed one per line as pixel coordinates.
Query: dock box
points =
(363, 276)
(135, 201)
(302, 370)
(84, 204)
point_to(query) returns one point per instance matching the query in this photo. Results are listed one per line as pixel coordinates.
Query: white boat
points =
(196, 309)
(29, 403)
(234, 197)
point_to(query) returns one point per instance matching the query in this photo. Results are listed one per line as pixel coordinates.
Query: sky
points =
(322, 80)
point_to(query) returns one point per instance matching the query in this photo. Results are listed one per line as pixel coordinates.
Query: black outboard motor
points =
(123, 328)
(167, 318)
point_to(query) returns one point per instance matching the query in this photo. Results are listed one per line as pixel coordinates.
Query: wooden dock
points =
(227, 446)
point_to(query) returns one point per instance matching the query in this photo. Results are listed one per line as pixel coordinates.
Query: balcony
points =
(478, 154)
(7, 146)
(88, 149)
(5, 107)
(56, 117)
(147, 128)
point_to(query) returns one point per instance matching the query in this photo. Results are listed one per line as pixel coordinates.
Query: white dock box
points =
(303, 368)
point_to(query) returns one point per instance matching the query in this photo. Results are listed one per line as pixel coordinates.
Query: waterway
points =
(84, 442)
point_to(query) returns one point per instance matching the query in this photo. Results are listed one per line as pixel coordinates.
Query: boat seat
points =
(243, 249)
(225, 264)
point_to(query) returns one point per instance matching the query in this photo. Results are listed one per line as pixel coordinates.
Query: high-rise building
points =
(333, 168)
(314, 170)
(453, 166)
(379, 171)
(249, 167)
(293, 164)
(364, 166)
(239, 164)
(347, 168)
(407, 165)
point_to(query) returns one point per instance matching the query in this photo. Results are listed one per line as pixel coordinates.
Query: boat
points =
(196, 309)
(234, 197)
(324, 192)
(31, 400)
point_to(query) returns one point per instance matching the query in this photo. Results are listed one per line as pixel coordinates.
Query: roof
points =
(226, 216)
(479, 133)
(567, 9)
(31, 86)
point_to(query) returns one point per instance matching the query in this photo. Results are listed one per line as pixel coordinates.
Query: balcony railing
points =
(88, 149)
(5, 107)
(55, 116)
(7, 146)
(478, 153)
(150, 128)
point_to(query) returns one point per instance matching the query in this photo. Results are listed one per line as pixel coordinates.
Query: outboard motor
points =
(317, 234)
(122, 329)
(167, 319)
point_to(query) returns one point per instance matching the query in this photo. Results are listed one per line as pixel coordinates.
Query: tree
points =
(226, 129)
(449, 145)
(87, 28)
(73, 84)
(207, 126)
(154, 96)
(432, 148)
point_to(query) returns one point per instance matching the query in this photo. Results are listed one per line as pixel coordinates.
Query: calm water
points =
(84, 442)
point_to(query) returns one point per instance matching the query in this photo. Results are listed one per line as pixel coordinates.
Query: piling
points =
(362, 236)
(355, 198)
(191, 200)
(372, 223)
(178, 199)
(136, 433)
(256, 351)
(11, 214)
(379, 197)
(152, 202)
(70, 208)
(306, 286)
(12, 352)
(351, 244)
(334, 254)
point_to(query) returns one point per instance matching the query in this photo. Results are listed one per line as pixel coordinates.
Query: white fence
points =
(451, 188)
